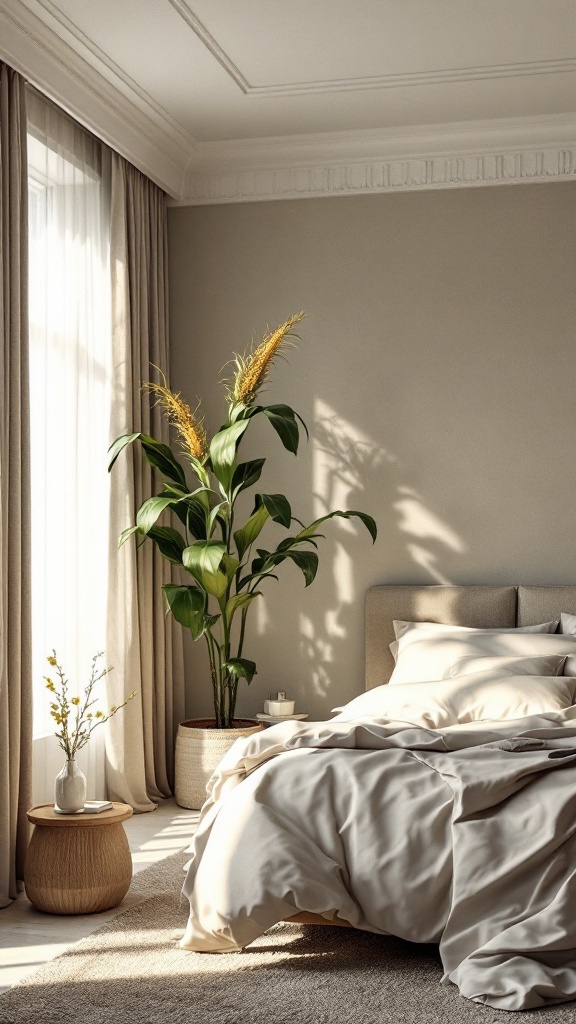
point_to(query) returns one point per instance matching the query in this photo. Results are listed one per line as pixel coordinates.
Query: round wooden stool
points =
(77, 863)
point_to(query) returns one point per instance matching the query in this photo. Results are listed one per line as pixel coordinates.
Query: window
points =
(70, 387)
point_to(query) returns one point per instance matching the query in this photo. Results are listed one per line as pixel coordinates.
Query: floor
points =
(29, 939)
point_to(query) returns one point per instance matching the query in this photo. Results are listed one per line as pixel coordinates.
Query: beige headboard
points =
(485, 607)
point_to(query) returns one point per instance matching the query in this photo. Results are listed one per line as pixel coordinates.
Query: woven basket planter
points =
(200, 746)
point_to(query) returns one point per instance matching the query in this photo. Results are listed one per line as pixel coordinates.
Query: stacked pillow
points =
(401, 628)
(427, 651)
(476, 675)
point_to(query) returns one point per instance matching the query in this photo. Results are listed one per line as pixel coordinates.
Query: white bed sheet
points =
(464, 835)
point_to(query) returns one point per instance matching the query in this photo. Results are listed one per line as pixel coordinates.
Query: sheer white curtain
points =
(70, 388)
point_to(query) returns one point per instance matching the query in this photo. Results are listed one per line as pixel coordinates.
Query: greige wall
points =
(436, 376)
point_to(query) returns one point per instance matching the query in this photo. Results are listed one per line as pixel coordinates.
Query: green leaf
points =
(258, 563)
(239, 601)
(241, 668)
(278, 508)
(307, 561)
(190, 512)
(169, 541)
(223, 451)
(367, 520)
(118, 445)
(158, 455)
(247, 534)
(283, 419)
(126, 534)
(275, 506)
(162, 457)
(215, 514)
(203, 559)
(150, 511)
(187, 605)
(245, 475)
(290, 542)
(229, 565)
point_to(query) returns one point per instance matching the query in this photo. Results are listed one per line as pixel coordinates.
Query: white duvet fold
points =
(464, 836)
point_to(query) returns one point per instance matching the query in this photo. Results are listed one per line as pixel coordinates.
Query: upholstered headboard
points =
(485, 607)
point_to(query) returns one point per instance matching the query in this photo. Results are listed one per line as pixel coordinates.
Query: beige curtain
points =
(15, 644)
(144, 647)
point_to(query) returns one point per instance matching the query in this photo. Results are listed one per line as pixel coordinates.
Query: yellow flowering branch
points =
(73, 736)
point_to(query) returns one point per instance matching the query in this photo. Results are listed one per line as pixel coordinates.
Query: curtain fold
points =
(15, 639)
(143, 645)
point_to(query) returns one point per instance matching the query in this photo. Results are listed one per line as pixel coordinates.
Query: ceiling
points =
(201, 94)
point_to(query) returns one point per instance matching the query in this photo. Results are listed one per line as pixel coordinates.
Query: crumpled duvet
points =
(465, 836)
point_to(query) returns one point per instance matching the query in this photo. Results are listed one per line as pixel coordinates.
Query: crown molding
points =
(52, 54)
(40, 42)
(459, 155)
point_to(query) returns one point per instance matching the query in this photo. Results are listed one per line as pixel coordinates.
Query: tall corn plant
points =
(226, 575)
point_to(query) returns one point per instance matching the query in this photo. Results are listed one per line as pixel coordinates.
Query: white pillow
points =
(568, 627)
(552, 665)
(401, 627)
(474, 698)
(427, 655)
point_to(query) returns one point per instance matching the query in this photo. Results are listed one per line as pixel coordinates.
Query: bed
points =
(410, 814)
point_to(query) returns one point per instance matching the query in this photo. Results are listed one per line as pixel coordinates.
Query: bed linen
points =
(425, 655)
(464, 835)
(474, 697)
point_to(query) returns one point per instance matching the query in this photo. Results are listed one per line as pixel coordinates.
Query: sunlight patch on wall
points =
(418, 521)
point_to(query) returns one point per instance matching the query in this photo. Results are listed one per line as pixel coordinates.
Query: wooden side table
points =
(77, 863)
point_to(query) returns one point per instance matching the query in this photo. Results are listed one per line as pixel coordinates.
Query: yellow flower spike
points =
(252, 369)
(51, 660)
(89, 715)
(50, 686)
(75, 700)
(99, 714)
(113, 709)
(188, 424)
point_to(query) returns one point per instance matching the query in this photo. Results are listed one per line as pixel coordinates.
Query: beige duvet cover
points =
(464, 836)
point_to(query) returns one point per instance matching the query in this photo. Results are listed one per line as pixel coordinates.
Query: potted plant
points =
(212, 547)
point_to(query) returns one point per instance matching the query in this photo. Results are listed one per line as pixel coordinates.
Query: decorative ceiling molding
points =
(351, 163)
(102, 60)
(38, 40)
(473, 74)
(93, 90)
(432, 77)
(210, 43)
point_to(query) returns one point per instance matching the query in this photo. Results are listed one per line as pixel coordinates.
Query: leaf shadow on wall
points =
(306, 635)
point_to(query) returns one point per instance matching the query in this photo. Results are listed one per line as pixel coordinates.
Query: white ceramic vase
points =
(70, 788)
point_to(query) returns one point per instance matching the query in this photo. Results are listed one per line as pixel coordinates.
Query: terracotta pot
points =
(200, 746)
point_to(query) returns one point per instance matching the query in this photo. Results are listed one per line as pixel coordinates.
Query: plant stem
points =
(213, 671)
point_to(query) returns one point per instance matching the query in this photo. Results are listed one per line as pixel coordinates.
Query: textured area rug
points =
(131, 970)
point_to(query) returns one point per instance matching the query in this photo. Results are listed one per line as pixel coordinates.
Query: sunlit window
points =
(70, 346)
